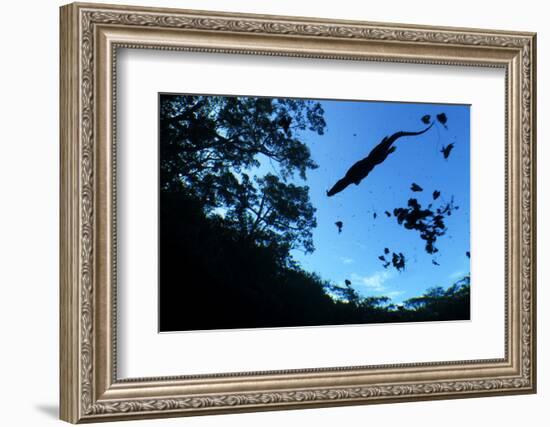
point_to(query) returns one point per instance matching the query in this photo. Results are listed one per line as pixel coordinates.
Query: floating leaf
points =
(415, 187)
(442, 118)
(447, 150)
(398, 261)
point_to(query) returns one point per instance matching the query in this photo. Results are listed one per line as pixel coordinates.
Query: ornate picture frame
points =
(90, 37)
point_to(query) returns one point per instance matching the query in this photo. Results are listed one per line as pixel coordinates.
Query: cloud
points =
(347, 260)
(394, 294)
(374, 282)
(457, 275)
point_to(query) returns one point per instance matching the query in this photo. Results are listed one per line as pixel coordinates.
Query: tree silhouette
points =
(269, 211)
(210, 145)
(444, 304)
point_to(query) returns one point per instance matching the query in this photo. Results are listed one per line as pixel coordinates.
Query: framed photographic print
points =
(265, 212)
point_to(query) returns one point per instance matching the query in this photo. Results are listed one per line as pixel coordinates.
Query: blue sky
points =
(353, 129)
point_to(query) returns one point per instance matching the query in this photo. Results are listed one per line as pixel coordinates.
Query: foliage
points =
(440, 303)
(210, 147)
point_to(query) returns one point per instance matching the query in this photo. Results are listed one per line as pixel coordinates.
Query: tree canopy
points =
(211, 147)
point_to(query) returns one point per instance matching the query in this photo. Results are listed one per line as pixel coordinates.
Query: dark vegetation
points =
(226, 232)
(212, 277)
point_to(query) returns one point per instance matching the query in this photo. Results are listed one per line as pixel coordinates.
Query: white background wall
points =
(29, 170)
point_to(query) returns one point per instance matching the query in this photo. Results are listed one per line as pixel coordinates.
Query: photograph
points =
(290, 212)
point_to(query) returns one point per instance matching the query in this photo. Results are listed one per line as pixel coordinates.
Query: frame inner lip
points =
(300, 371)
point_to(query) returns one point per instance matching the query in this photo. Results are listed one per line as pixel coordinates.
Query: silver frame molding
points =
(90, 36)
